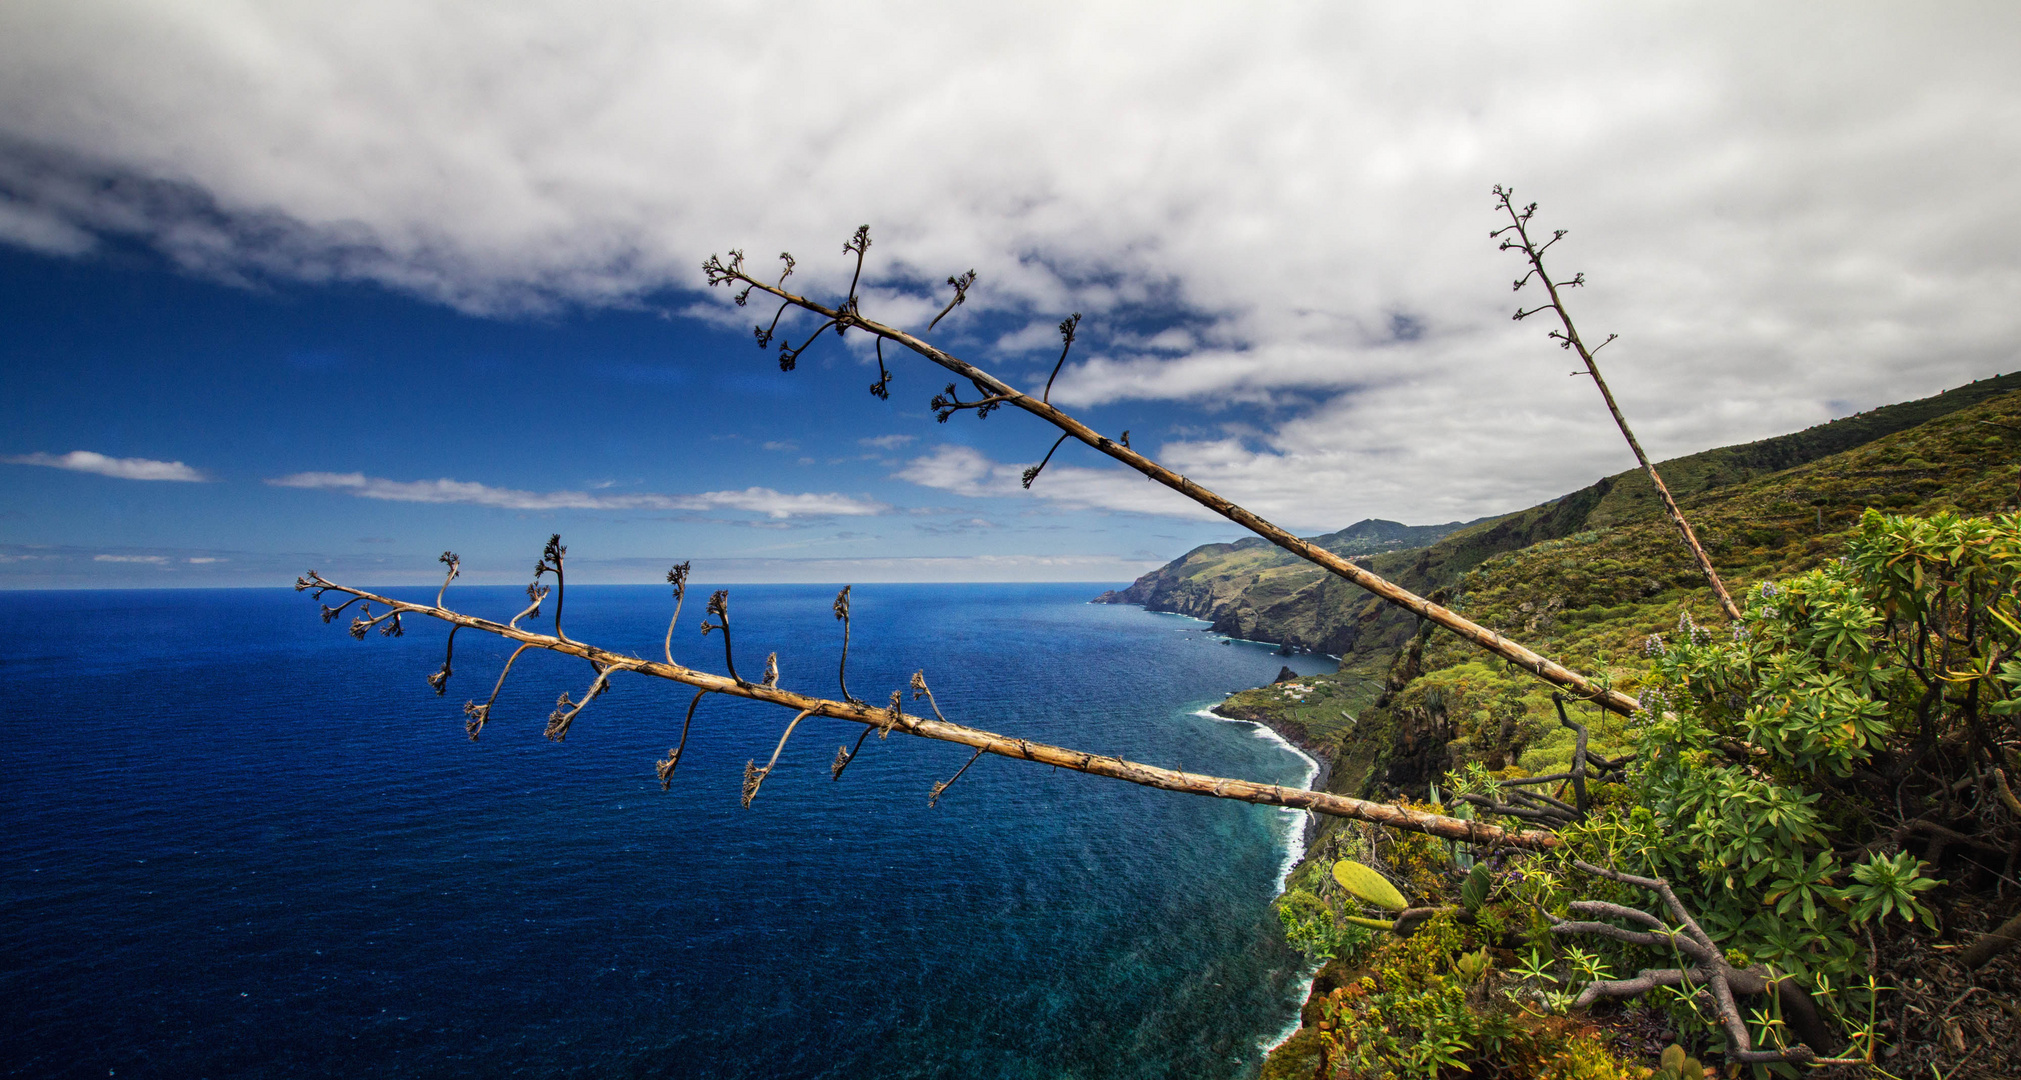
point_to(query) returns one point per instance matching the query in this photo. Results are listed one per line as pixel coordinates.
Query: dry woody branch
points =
(1516, 237)
(993, 393)
(886, 720)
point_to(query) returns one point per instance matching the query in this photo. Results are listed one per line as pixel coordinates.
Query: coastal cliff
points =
(1251, 589)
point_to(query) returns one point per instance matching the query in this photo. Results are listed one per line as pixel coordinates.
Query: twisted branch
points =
(666, 768)
(535, 592)
(719, 606)
(566, 711)
(881, 389)
(1543, 808)
(677, 576)
(933, 799)
(455, 565)
(961, 286)
(1578, 754)
(440, 680)
(1710, 969)
(478, 714)
(755, 777)
(550, 562)
(846, 754)
(1067, 327)
(1032, 473)
(842, 669)
(1526, 813)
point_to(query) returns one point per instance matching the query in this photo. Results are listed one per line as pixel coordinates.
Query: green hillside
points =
(1407, 705)
(1251, 589)
(1628, 497)
(1588, 580)
(1254, 590)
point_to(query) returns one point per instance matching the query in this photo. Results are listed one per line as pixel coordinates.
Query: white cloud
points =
(158, 560)
(757, 500)
(887, 442)
(1033, 337)
(919, 568)
(122, 468)
(761, 500)
(42, 230)
(1785, 213)
(964, 470)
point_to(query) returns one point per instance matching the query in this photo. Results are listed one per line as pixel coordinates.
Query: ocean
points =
(239, 843)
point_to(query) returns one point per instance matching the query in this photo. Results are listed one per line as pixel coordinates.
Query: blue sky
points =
(287, 285)
(359, 431)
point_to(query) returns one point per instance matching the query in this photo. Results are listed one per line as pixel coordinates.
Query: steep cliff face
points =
(1250, 589)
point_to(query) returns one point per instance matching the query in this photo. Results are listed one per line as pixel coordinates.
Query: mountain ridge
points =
(1252, 590)
(1224, 583)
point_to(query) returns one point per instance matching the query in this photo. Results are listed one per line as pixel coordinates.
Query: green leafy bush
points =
(1900, 643)
(1312, 928)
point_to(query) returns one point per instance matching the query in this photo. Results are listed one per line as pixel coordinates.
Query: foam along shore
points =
(1298, 828)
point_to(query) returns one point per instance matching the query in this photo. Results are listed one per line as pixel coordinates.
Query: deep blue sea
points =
(238, 843)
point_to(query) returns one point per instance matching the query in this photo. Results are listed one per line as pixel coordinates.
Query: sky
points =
(296, 285)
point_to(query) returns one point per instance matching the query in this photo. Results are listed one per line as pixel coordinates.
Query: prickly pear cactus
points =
(1368, 886)
(1676, 1066)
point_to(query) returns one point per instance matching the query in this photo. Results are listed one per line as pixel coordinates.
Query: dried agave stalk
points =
(886, 720)
(996, 393)
(1568, 338)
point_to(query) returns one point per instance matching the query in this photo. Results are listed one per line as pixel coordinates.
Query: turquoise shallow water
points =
(239, 843)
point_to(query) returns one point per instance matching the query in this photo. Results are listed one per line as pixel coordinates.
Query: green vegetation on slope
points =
(1251, 589)
(1421, 701)
(1593, 598)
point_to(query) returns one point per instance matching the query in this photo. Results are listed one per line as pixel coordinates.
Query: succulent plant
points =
(1676, 1066)
(1370, 888)
(1368, 885)
(1474, 892)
